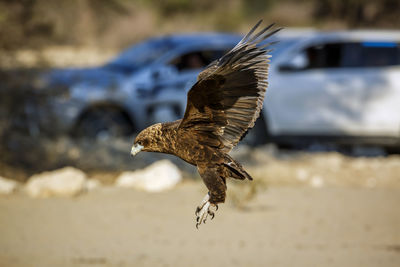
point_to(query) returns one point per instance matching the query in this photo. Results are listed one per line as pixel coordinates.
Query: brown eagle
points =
(221, 107)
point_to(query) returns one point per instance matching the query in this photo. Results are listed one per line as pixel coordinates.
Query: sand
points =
(281, 226)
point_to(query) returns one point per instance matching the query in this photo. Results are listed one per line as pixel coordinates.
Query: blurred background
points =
(80, 78)
(76, 73)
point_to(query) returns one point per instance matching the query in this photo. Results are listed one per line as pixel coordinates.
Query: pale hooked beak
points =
(136, 148)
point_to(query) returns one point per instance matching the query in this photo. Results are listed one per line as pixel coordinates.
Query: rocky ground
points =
(302, 209)
(106, 159)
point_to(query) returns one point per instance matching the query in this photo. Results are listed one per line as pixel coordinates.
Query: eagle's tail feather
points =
(235, 169)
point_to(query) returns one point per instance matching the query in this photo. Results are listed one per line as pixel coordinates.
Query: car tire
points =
(258, 135)
(104, 123)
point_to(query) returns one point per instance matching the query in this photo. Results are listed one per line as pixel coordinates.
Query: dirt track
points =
(282, 226)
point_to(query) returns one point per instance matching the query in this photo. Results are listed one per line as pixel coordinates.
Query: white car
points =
(340, 85)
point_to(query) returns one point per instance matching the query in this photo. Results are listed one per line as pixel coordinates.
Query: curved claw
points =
(204, 210)
(212, 214)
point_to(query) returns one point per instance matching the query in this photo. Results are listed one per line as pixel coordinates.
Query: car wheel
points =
(104, 123)
(258, 135)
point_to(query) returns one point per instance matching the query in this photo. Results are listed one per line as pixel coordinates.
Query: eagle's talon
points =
(204, 210)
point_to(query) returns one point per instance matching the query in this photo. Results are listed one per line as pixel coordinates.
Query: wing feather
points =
(229, 94)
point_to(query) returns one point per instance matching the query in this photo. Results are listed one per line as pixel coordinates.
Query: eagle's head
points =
(147, 140)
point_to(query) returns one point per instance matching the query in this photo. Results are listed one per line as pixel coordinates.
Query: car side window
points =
(315, 57)
(324, 56)
(196, 59)
(346, 55)
(371, 54)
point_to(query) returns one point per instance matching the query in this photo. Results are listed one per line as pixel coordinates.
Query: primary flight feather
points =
(221, 107)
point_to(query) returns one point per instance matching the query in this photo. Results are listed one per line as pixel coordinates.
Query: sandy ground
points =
(281, 226)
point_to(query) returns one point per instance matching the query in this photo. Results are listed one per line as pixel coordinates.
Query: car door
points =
(321, 89)
(304, 92)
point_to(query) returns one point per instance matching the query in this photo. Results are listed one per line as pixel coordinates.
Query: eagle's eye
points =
(143, 142)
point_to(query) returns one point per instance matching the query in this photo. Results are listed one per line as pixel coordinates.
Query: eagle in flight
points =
(221, 107)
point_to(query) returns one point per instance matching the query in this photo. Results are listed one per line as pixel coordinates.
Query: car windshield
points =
(141, 54)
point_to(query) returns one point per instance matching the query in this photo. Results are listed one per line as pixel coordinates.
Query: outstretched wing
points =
(228, 96)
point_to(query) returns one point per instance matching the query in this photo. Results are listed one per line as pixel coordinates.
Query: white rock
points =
(7, 186)
(161, 175)
(92, 184)
(64, 182)
(317, 181)
(302, 174)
